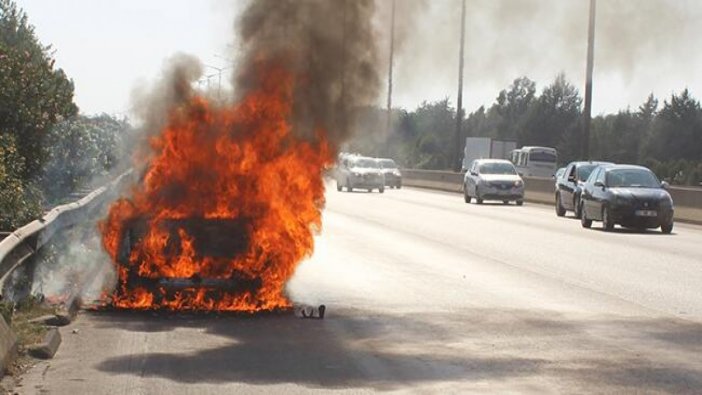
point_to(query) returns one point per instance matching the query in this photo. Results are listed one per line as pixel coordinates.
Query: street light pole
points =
(587, 111)
(219, 83)
(458, 147)
(388, 124)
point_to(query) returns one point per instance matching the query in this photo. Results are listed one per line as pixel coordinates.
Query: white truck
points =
(485, 148)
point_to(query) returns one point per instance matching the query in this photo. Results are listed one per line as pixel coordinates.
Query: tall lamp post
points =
(458, 147)
(388, 124)
(219, 78)
(587, 111)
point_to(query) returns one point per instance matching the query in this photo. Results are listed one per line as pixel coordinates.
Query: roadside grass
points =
(20, 318)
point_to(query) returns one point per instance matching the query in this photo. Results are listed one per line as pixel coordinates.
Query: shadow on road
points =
(357, 349)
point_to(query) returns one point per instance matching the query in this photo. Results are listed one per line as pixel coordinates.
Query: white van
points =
(535, 161)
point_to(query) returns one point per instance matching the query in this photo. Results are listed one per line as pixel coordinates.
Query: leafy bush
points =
(79, 151)
(20, 202)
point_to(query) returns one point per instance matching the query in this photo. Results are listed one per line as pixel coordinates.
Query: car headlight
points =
(356, 174)
(621, 200)
(396, 172)
(518, 184)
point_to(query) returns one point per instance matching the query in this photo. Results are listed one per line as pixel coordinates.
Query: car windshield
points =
(497, 168)
(541, 156)
(632, 178)
(584, 171)
(387, 164)
(366, 163)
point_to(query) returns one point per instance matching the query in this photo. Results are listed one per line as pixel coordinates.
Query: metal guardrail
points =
(18, 246)
(688, 201)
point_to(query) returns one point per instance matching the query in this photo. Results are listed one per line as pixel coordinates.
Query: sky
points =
(110, 48)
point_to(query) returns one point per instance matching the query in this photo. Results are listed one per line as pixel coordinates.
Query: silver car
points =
(361, 173)
(393, 177)
(493, 179)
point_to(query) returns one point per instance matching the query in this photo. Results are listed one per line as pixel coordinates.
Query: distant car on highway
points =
(393, 177)
(493, 179)
(361, 173)
(569, 186)
(626, 195)
(535, 161)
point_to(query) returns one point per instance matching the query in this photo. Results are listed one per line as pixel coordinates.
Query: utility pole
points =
(458, 146)
(587, 111)
(388, 124)
(219, 80)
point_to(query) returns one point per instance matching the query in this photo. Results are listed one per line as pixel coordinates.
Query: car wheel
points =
(586, 223)
(577, 209)
(478, 199)
(520, 202)
(349, 187)
(338, 186)
(399, 186)
(381, 189)
(667, 228)
(607, 223)
(560, 211)
(466, 197)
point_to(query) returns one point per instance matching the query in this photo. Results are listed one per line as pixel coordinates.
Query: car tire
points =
(349, 187)
(577, 209)
(560, 210)
(586, 223)
(399, 186)
(667, 228)
(338, 186)
(478, 199)
(520, 202)
(466, 197)
(381, 189)
(607, 223)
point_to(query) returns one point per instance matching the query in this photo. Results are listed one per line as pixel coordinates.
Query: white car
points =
(360, 173)
(493, 179)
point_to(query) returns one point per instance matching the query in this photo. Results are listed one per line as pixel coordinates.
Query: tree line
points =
(47, 148)
(665, 136)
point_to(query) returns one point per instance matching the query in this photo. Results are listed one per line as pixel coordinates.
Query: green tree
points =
(20, 202)
(512, 104)
(79, 151)
(553, 119)
(435, 124)
(677, 130)
(33, 95)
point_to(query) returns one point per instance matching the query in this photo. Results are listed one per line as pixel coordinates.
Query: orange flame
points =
(242, 163)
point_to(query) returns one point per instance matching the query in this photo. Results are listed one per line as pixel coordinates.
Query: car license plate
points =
(646, 213)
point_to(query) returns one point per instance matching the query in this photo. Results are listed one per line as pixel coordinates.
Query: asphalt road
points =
(426, 294)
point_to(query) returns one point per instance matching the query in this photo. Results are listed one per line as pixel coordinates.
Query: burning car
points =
(208, 241)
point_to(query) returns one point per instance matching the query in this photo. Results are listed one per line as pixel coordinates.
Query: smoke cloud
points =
(329, 45)
(505, 39)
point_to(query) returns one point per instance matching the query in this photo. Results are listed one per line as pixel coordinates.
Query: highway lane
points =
(426, 294)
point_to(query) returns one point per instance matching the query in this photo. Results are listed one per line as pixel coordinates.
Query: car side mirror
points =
(665, 185)
(571, 178)
(600, 184)
(474, 173)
